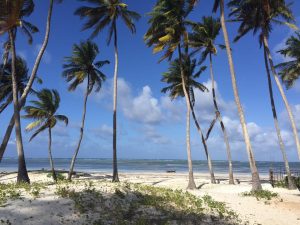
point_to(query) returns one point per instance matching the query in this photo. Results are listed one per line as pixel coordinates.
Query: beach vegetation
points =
(142, 204)
(59, 176)
(261, 194)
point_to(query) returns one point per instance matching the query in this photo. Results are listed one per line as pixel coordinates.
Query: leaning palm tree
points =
(105, 14)
(256, 185)
(290, 71)
(80, 68)
(202, 39)
(23, 9)
(168, 31)
(173, 78)
(43, 112)
(34, 71)
(259, 16)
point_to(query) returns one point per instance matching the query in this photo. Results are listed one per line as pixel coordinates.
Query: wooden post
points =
(271, 176)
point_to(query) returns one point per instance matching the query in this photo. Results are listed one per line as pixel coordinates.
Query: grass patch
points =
(12, 191)
(261, 194)
(133, 204)
(60, 176)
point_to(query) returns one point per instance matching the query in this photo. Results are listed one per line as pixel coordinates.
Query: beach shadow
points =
(158, 182)
(201, 185)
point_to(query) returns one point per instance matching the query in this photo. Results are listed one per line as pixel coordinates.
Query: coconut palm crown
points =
(173, 78)
(290, 71)
(168, 21)
(203, 36)
(81, 66)
(44, 111)
(260, 16)
(105, 14)
(12, 17)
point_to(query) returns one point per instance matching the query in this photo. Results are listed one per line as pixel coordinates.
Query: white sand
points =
(284, 210)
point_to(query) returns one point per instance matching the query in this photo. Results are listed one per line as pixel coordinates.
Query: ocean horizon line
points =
(143, 159)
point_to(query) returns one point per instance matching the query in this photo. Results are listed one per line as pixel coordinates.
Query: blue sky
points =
(150, 125)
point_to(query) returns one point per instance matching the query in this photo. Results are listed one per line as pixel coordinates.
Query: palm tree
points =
(43, 112)
(105, 14)
(167, 30)
(290, 71)
(260, 16)
(173, 78)
(256, 185)
(79, 68)
(35, 68)
(203, 39)
(6, 95)
(23, 10)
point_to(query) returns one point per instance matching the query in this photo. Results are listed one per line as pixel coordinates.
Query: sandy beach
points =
(49, 208)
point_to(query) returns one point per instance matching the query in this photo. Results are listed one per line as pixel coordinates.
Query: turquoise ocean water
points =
(147, 165)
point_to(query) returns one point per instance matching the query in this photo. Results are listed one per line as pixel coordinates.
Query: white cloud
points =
(143, 108)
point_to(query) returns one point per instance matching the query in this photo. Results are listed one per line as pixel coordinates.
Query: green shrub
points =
(261, 194)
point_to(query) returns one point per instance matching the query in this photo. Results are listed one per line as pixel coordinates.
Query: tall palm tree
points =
(290, 71)
(105, 14)
(203, 39)
(256, 185)
(259, 16)
(32, 77)
(23, 10)
(43, 112)
(173, 78)
(167, 31)
(79, 68)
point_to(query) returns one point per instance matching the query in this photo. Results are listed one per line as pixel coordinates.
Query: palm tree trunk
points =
(115, 165)
(291, 184)
(81, 132)
(209, 162)
(191, 184)
(286, 103)
(6, 137)
(30, 82)
(50, 157)
(256, 185)
(22, 170)
(218, 115)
